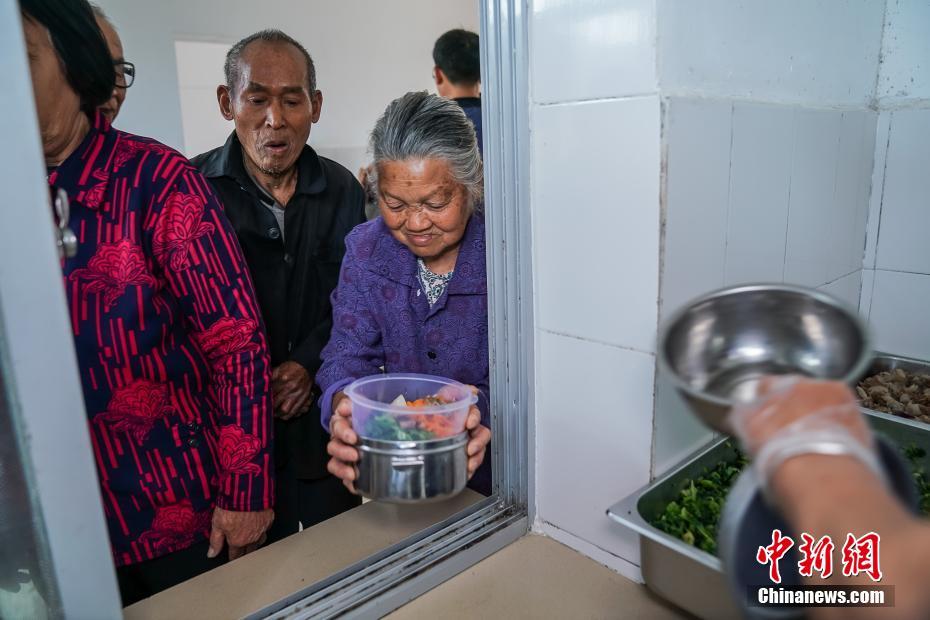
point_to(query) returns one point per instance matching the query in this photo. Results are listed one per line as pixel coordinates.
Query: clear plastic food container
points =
(411, 436)
(409, 407)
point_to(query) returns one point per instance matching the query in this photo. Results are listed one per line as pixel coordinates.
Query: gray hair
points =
(234, 56)
(423, 126)
(98, 12)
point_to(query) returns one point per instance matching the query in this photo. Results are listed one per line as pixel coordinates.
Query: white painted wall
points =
(896, 277)
(366, 53)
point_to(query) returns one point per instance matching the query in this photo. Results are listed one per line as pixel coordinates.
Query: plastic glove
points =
(793, 416)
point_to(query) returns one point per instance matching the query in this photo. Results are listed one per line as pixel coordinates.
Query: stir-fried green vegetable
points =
(385, 426)
(693, 516)
(916, 457)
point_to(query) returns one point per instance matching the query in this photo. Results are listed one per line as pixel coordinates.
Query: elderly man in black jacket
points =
(291, 210)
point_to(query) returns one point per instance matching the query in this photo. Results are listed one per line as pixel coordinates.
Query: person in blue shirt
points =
(458, 73)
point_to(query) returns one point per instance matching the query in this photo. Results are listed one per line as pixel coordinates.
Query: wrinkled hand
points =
(290, 385)
(343, 440)
(244, 532)
(479, 437)
(794, 416)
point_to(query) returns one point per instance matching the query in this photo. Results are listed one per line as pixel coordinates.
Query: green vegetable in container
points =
(916, 457)
(694, 515)
(384, 426)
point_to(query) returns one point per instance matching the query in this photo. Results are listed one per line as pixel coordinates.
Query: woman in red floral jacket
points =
(170, 346)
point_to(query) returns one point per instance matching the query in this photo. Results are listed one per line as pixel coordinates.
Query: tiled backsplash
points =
(595, 170)
(595, 194)
(594, 49)
(808, 52)
(759, 134)
(904, 74)
(896, 281)
(760, 192)
(905, 201)
(593, 436)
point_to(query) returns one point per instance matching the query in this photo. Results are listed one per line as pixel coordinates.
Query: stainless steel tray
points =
(686, 576)
(886, 361)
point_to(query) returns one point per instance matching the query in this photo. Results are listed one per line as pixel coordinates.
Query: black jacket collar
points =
(226, 161)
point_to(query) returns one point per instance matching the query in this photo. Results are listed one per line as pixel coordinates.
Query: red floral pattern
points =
(228, 336)
(128, 149)
(156, 404)
(94, 196)
(136, 407)
(114, 267)
(176, 526)
(182, 224)
(236, 450)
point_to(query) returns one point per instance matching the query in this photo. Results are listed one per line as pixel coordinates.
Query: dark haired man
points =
(291, 210)
(458, 73)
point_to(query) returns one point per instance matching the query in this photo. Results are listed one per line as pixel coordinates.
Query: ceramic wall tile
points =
(596, 215)
(595, 450)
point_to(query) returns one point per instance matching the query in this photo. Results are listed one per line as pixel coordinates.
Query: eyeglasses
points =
(125, 74)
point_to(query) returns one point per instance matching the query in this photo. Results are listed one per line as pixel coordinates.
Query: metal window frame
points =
(399, 574)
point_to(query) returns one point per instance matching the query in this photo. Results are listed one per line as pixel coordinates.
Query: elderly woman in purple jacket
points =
(412, 294)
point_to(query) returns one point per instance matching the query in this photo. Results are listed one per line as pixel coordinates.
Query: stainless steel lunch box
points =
(407, 472)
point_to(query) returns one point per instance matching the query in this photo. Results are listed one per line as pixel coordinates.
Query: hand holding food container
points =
(406, 438)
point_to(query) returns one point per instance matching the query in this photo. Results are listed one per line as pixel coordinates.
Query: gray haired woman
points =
(412, 293)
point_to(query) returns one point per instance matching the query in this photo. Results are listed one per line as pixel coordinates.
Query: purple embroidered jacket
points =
(382, 318)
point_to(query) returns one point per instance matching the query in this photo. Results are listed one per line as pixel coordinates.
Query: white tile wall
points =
(698, 167)
(595, 198)
(771, 51)
(846, 289)
(865, 293)
(594, 436)
(899, 313)
(678, 432)
(882, 133)
(732, 183)
(905, 210)
(759, 188)
(810, 250)
(730, 180)
(851, 191)
(591, 49)
(905, 71)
